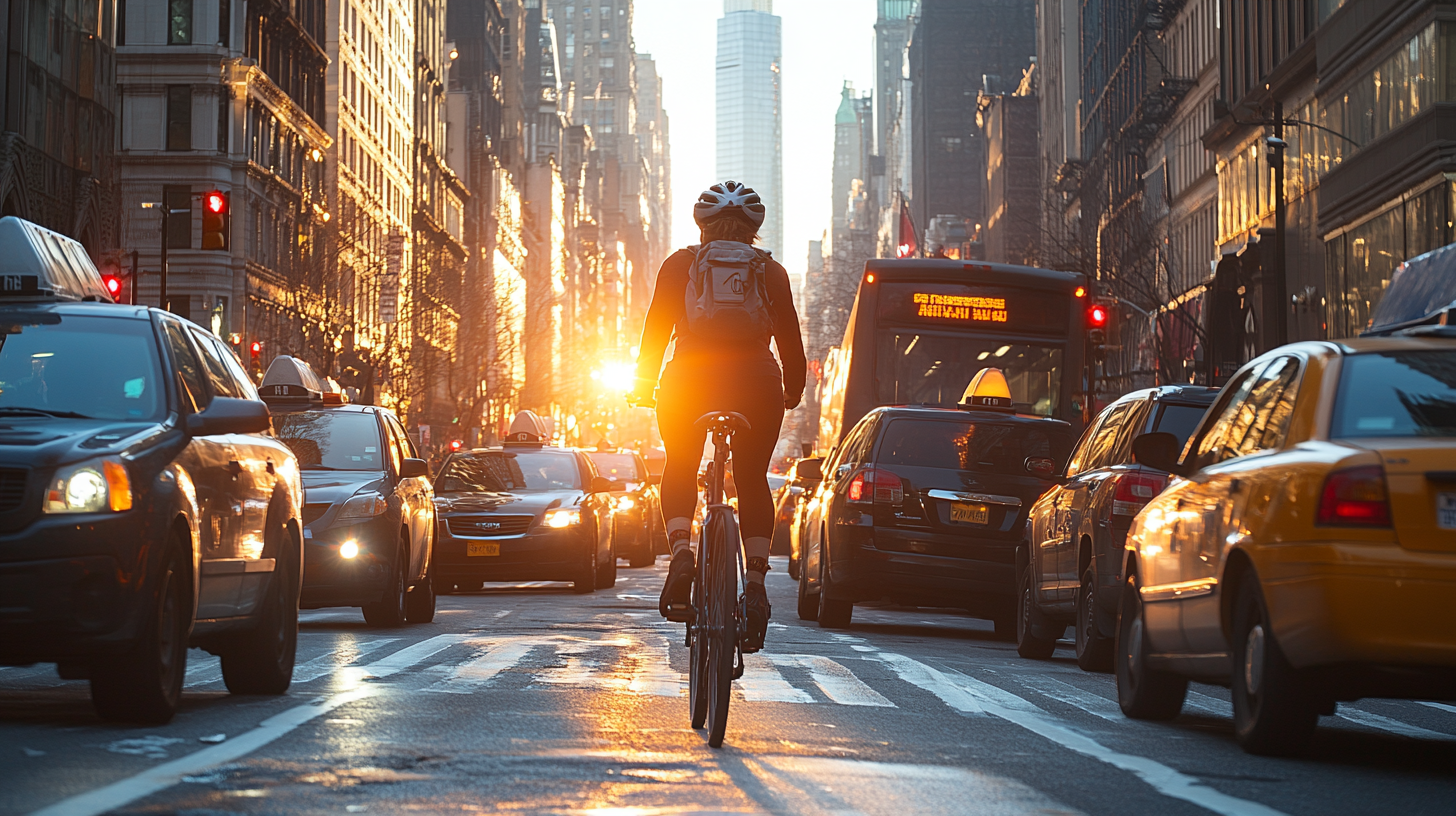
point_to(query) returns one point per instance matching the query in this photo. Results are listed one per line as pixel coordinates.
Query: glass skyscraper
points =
(750, 121)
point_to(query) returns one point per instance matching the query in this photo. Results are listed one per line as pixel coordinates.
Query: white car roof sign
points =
(37, 263)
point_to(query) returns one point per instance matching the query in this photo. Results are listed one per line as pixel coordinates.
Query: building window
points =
(224, 22)
(179, 22)
(179, 117)
(223, 101)
(120, 22)
(179, 224)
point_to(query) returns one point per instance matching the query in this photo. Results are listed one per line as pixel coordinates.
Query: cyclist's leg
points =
(752, 451)
(684, 446)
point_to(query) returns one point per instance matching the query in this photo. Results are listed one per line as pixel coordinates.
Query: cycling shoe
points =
(759, 611)
(676, 603)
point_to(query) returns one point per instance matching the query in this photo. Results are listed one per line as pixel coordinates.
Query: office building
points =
(748, 103)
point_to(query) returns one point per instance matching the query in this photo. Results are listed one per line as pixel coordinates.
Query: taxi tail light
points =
(1135, 490)
(872, 485)
(1355, 497)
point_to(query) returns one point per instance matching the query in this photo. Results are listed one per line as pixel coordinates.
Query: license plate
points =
(482, 548)
(1446, 511)
(970, 513)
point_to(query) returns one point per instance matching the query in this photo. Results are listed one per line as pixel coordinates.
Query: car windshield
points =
(934, 369)
(98, 367)
(776, 481)
(1397, 393)
(1179, 420)
(619, 467)
(332, 440)
(983, 447)
(501, 471)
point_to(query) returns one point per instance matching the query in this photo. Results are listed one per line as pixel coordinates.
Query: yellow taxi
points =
(1306, 553)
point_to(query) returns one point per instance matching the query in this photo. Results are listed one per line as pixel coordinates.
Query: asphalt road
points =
(529, 699)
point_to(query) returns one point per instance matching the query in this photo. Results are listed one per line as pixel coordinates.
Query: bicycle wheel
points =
(698, 651)
(722, 630)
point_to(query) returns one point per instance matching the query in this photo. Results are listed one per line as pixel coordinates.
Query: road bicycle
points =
(714, 635)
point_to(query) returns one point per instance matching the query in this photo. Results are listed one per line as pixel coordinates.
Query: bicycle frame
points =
(714, 501)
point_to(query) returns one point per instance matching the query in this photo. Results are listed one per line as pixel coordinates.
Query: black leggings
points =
(681, 400)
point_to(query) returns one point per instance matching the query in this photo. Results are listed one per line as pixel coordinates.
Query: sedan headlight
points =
(90, 487)
(562, 517)
(363, 507)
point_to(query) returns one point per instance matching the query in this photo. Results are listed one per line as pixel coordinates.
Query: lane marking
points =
(121, 793)
(1087, 701)
(1382, 723)
(332, 660)
(838, 683)
(481, 669)
(934, 681)
(1438, 706)
(1211, 706)
(1006, 705)
(762, 683)
(652, 674)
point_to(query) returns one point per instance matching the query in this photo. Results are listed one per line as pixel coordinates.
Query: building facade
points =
(750, 119)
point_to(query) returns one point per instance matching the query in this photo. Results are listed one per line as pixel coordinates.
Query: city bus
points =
(921, 329)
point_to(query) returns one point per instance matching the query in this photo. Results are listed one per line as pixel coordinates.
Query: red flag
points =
(907, 245)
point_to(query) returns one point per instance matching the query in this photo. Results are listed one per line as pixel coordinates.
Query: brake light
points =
(1135, 490)
(877, 486)
(1355, 497)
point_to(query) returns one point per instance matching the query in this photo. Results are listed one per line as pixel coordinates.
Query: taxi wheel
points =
(808, 604)
(1030, 642)
(1094, 652)
(1275, 709)
(419, 604)
(389, 610)
(586, 580)
(607, 578)
(260, 661)
(833, 613)
(1142, 692)
(145, 684)
(794, 568)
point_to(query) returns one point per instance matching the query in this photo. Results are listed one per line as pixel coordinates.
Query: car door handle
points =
(235, 467)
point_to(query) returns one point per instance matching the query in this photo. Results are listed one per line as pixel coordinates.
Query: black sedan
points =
(634, 494)
(523, 512)
(925, 507)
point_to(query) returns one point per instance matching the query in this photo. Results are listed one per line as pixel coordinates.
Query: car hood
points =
(534, 502)
(46, 442)
(333, 486)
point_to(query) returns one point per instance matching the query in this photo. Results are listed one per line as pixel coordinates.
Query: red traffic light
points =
(256, 348)
(1097, 316)
(215, 202)
(113, 284)
(455, 445)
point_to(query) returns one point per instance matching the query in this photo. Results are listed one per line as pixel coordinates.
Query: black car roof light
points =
(291, 381)
(40, 264)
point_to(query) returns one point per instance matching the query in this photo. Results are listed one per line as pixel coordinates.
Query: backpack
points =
(727, 294)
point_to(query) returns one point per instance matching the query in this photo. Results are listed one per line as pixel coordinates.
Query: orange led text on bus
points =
(962, 307)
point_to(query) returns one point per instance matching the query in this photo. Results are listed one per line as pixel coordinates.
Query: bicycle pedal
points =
(679, 614)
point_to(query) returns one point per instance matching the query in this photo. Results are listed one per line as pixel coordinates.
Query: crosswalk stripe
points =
(1382, 723)
(345, 654)
(202, 671)
(411, 655)
(1093, 704)
(652, 674)
(469, 676)
(1439, 706)
(763, 684)
(838, 683)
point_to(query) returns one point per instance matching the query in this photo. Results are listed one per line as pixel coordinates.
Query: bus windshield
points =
(923, 368)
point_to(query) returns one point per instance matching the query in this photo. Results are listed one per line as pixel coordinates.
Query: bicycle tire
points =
(722, 630)
(698, 656)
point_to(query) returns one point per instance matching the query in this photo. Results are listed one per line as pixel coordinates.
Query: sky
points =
(825, 42)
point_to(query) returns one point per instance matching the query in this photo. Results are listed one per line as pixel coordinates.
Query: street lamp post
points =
(162, 300)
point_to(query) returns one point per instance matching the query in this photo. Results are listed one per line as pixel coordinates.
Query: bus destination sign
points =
(961, 308)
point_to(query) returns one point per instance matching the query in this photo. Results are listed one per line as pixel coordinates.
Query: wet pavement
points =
(529, 699)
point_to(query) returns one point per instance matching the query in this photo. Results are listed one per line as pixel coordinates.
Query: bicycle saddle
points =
(727, 420)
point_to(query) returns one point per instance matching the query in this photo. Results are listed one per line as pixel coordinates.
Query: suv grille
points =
(489, 526)
(12, 489)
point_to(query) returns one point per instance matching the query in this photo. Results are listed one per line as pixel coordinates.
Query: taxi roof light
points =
(291, 380)
(41, 264)
(988, 391)
(527, 429)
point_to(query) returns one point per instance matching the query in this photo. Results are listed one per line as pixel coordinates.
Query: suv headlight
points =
(90, 487)
(560, 517)
(362, 507)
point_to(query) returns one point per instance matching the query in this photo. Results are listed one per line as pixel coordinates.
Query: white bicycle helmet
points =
(730, 196)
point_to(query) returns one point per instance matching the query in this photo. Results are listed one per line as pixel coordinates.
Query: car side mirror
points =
(414, 469)
(810, 469)
(230, 415)
(654, 479)
(1157, 450)
(600, 484)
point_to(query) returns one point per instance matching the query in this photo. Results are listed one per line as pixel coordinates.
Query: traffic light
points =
(113, 286)
(215, 212)
(1097, 315)
(455, 445)
(255, 354)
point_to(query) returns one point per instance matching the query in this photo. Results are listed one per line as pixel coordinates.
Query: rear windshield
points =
(500, 471)
(1397, 393)
(1179, 420)
(984, 447)
(329, 440)
(619, 467)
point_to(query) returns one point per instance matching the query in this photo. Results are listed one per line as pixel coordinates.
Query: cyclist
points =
(709, 373)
